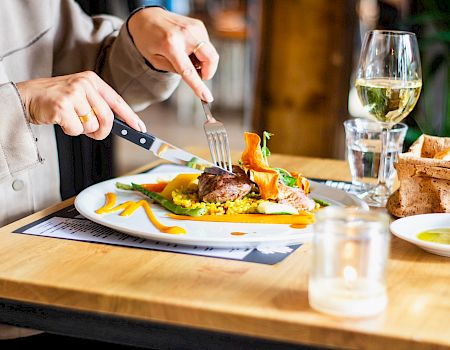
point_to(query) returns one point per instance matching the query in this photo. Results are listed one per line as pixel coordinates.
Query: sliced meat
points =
(224, 187)
(295, 197)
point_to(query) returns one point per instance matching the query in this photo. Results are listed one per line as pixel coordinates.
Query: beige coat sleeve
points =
(18, 150)
(103, 44)
(79, 43)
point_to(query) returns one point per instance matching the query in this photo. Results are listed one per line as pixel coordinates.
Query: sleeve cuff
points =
(18, 148)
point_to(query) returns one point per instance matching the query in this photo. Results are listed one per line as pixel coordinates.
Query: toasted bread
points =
(444, 154)
(424, 177)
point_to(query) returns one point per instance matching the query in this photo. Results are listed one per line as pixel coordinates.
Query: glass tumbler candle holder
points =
(350, 250)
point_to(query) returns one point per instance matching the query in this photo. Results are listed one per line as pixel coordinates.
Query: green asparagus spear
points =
(321, 202)
(176, 209)
(125, 187)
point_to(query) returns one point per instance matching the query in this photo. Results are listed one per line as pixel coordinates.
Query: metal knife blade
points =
(161, 148)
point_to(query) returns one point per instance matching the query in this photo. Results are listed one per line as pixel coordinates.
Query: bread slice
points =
(444, 154)
(424, 176)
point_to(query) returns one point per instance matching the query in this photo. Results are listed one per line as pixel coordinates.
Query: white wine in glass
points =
(388, 100)
(388, 82)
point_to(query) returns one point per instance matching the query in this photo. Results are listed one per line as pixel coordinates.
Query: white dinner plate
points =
(211, 234)
(409, 227)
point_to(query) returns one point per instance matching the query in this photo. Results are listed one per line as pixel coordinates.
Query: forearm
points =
(102, 44)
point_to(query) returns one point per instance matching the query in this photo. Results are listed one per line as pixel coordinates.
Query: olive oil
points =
(437, 235)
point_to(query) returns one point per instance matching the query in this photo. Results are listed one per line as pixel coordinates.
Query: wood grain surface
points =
(223, 295)
(302, 74)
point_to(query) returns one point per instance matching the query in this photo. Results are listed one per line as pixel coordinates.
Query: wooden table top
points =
(269, 301)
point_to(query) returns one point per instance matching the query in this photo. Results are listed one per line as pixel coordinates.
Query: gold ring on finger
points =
(86, 117)
(198, 46)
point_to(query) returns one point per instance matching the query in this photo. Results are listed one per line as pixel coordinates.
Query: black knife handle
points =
(138, 138)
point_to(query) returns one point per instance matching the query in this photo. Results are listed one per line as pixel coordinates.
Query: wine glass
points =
(388, 82)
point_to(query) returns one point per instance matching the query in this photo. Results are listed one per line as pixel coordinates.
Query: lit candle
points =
(336, 296)
(350, 276)
(349, 255)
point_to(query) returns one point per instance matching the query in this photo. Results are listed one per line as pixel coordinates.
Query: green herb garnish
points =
(286, 177)
(264, 149)
(192, 163)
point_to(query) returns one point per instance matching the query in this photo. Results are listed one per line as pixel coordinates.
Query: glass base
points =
(333, 296)
(377, 196)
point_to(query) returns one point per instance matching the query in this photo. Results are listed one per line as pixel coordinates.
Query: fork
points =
(215, 132)
(217, 137)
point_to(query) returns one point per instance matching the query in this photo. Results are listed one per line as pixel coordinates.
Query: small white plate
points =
(409, 227)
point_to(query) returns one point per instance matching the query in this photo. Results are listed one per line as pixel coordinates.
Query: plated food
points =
(204, 233)
(254, 193)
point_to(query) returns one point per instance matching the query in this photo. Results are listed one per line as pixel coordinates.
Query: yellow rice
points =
(188, 198)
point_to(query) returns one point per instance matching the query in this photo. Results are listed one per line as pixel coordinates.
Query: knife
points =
(163, 149)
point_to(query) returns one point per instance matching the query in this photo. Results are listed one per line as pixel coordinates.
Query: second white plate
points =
(409, 227)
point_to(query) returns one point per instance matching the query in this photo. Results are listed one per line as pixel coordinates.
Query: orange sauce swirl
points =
(129, 207)
(238, 233)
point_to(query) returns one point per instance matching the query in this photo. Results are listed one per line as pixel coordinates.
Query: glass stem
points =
(382, 175)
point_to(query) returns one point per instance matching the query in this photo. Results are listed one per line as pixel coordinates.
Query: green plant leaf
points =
(433, 27)
(446, 122)
(434, 65)
(440, 37)
(427, 17)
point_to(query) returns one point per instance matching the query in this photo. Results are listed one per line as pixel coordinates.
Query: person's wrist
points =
(137, 20)
(140, 12)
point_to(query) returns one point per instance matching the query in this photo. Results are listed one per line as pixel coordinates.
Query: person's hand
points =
(80, 103)
(167, 40)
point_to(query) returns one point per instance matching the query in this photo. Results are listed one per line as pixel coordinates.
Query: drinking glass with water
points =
(363, 138)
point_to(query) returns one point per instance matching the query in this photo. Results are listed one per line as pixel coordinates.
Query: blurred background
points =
(289, 67)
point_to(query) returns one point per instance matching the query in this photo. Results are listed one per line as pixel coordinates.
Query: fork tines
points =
(219, 146)
(218, 143)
